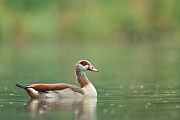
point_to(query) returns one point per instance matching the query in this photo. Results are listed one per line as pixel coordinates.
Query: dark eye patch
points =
(84, 63)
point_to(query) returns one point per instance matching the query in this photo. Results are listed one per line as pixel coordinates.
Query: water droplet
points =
(148, 103)
(157, 86)
(141, 86)
(5, 88)
(11, 102)
(135, 91)
(177, 106)
(121, 106)
(146, 106)
(174, 92)
(105, 110)
(112, 104)
(165, 101)
(121, 86)
(131, 87)
(17, 95)
(1, 106)
(25, 104)
(112, 111)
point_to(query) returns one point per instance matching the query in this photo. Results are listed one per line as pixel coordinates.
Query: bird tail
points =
(32, 92)
(21, 86)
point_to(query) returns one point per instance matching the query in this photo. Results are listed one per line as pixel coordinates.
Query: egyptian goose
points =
(61, 90)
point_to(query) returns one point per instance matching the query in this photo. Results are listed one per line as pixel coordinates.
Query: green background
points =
(134, 44)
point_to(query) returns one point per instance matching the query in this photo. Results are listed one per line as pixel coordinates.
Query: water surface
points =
(142, 83)
(151, 103)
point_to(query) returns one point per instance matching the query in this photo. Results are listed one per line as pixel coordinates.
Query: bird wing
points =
(57, 86)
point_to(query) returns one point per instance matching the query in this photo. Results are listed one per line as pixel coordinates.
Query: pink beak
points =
(91, 68)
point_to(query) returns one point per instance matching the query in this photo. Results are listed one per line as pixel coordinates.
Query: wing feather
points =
(47, 87)
(58, 86)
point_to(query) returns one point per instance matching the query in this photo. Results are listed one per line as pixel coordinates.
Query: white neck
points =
(85, 84)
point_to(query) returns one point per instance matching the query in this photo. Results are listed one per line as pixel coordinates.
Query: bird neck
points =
(82, 79)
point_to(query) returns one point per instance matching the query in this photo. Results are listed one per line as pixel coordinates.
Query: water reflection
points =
(82, 109)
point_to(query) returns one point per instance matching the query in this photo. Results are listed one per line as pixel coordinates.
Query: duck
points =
(64, 90)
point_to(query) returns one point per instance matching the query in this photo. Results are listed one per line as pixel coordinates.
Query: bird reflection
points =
(83, 109)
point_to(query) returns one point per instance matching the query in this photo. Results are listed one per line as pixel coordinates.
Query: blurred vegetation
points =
(129, 41)
(45, 21)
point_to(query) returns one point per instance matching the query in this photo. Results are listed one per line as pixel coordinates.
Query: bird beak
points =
(91, 68)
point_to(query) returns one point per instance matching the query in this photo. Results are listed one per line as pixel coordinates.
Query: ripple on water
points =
(25, 104)
(174, 92)
(1, 106)
(141, 86)
(111, 104)
(121, 106)
(165, 101)
(105, 110)
(112, 111)
(148, 103)
(135, 91)
(11, 103)
(12, 95)
(177, 106)
(121, 86)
